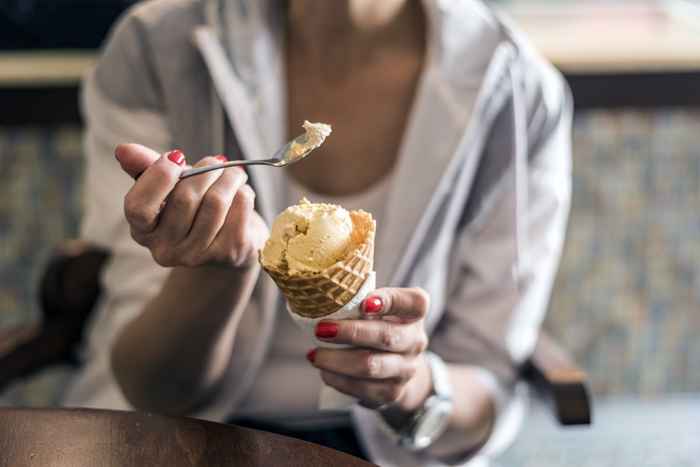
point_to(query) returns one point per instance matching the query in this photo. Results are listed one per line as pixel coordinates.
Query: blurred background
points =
(627, 297)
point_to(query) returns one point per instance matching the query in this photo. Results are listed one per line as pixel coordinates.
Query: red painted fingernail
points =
(221, 158)
(372, 305)
(326, 330)
(311, 355)
(176, 157)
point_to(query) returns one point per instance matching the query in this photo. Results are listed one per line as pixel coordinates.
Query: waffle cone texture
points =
(321, 294)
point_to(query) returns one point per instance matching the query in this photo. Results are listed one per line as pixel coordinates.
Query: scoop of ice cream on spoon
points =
(294, 151)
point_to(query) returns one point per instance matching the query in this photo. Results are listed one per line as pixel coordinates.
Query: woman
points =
(446, 126)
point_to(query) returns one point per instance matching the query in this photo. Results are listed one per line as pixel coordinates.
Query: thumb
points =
(135, 158)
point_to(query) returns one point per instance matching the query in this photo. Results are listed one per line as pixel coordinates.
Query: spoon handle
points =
(200, 170)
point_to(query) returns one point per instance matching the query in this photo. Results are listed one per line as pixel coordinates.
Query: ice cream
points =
(320, 256)
(308, 238)
(316, 134)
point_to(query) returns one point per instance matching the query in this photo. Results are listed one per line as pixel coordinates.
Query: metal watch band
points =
(441, 377)
(442, 390)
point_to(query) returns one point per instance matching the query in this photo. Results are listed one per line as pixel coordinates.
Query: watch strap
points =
(442, 389)
(440, 375)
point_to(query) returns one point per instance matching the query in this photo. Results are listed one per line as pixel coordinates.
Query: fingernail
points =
(326, 330)
(176, 157)
(372, 305)
(311, 355)
(221, 158)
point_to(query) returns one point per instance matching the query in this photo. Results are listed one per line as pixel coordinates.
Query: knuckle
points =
(372, 365)
(246, 194)
(184, 198)
(354, 332)
(421, 300)
(422, 342)
(162, 169)
(214, 204)
(209, 160)
(390, 338)
(135, 213)
(239, 254)
(139, 237)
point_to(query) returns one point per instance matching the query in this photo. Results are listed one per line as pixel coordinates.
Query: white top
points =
(286, 360)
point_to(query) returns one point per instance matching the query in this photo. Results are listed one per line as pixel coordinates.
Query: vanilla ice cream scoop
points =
(308, 238)
(314, 136)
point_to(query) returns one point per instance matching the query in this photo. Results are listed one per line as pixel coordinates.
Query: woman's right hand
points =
(208, 219)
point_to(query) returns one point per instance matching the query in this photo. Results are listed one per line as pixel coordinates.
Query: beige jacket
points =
(476, 216)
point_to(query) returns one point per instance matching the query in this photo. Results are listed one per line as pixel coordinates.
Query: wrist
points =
(432, 417)
(417, 392)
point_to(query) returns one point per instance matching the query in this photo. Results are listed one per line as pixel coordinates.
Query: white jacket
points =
(476, 215)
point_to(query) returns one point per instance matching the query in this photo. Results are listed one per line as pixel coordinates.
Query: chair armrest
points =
(29, 349)
(11, 338)
(69, 290)
(560, 382)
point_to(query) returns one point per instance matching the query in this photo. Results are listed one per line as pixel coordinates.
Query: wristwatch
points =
(431, 420)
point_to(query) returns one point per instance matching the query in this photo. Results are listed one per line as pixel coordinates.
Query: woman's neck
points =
(342, 16)
(352, 29)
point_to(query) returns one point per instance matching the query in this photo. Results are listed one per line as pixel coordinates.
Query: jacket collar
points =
(251, 89)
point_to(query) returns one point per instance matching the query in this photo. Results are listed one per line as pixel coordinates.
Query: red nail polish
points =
(326, 330)
(372, 305)
(311, 355)
(176, 157)
(221, 158)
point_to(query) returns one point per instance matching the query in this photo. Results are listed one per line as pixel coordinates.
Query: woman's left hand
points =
(385, 367)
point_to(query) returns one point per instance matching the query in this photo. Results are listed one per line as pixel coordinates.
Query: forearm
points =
(173, 355)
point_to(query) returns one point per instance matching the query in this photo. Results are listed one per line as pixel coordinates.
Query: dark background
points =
(57, 24)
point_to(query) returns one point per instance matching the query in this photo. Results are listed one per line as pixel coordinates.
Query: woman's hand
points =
(208, 219)
(386, 367)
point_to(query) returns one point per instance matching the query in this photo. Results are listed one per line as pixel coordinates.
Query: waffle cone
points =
(320, 294)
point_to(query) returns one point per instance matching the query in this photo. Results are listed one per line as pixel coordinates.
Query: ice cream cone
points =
(321, 294)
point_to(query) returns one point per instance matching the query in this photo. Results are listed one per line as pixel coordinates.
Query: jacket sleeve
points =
(120, 103)
(507, 256)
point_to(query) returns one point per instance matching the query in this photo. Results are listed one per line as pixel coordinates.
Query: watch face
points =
(432, 424)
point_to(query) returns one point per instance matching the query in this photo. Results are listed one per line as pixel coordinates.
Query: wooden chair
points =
(70, 288)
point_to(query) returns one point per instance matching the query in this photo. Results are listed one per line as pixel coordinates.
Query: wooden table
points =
(89, 438)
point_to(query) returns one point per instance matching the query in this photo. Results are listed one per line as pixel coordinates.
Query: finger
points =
(232, 240)
(375, 334)
(215, 207)
(143, 203)
(135, 158)
(372, 393)
(408, 304)
(183, 203)
(366, 364)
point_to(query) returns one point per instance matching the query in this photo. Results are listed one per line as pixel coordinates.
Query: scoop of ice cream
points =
(308, 238)
(316, 134)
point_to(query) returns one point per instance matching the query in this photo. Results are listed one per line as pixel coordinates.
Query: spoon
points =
(297, 149)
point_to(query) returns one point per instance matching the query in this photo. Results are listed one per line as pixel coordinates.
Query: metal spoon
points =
(286, 155)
